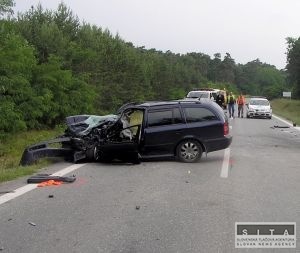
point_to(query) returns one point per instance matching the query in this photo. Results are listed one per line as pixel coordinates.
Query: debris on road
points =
(137, 207)
(39, 178)
(276, 126)
(4, 192)
(51, 196)
(49, 183)
(32, 224)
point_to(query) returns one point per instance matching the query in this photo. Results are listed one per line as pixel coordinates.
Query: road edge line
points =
(283, 120)
(286, 122)
(225, 164)
(27, 188)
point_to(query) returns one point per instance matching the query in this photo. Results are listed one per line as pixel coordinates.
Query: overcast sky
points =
(247, 29)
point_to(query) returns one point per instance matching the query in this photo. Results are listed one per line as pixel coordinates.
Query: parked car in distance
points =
(203, 93)
(259, 107)
(183, 129)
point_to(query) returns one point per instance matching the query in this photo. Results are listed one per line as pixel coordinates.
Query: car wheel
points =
(248, 116)
(189, 151)
(92, 154)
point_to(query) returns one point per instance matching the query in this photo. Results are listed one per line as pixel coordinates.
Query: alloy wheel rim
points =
(189, 151)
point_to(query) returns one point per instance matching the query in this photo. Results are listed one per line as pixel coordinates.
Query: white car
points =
(259, 107)
(201, 93)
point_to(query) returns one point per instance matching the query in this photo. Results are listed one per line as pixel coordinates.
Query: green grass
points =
(11, 150)
(289, 109)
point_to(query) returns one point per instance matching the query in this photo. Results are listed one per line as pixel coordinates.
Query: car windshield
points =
(198, 94)
(259, 102)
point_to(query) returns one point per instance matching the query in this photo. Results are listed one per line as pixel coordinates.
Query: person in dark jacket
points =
(220, 100)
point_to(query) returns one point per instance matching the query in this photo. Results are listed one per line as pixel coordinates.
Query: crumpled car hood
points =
(85, 123)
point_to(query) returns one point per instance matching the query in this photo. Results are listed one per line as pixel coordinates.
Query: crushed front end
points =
(80, 140)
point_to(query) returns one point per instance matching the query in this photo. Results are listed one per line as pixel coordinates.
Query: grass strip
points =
(289, 109)
(11, 150)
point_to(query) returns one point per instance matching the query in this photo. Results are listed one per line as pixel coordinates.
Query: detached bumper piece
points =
(39, 178)
(41, 150)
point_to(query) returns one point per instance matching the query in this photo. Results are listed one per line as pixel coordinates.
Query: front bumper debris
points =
(44, 149)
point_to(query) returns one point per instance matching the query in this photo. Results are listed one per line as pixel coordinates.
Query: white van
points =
(203, 93)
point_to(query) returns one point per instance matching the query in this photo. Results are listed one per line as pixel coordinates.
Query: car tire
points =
(92, 154)
(248, 116)
(189, 151)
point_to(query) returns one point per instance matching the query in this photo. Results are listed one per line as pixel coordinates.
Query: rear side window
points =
(195, 114)
(164, 117)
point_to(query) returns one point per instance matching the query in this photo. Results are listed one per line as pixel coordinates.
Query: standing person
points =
(231, 102)
(241, 103)
(220, 99)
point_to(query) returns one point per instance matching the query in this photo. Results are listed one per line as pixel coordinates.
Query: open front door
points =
(123, 138)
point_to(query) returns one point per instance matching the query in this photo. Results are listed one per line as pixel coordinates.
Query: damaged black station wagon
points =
(183, 129)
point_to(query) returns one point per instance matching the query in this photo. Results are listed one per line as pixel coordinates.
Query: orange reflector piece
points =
(49, 183)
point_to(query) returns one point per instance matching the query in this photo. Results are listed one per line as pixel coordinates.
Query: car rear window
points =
(196, 114)
(164, 117)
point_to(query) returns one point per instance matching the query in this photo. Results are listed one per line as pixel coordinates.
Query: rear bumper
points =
(218, 144)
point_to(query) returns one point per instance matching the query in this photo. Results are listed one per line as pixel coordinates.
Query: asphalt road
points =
(163, 206)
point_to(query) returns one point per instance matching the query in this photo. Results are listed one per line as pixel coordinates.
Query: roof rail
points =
(197, 101)
(204, 89)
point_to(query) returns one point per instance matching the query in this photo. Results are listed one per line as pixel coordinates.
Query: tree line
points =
(53, 65)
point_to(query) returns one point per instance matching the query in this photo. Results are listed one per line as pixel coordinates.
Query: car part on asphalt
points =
(46, 177)
(276, 126)
(49, 183)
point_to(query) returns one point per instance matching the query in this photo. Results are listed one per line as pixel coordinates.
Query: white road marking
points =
(18, 192)
(68, 169)
(225, 165)
(24, 189)
(284, 121)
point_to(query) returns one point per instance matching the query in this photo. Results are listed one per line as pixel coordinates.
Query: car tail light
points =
(226, 128)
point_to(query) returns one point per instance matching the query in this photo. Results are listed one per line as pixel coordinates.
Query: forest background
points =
(53, 65)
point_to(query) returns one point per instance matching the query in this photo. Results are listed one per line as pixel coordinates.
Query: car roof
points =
(259, 99)
(201, 91)
(202, 101)
(174, 102)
